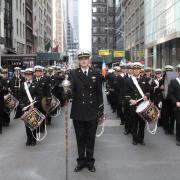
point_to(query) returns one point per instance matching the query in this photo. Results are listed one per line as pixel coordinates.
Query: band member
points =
(24, 101)
(1, 102)
(127, 108)
(87, 109)
(167, 111)
(135, 94)
(174, 97)
(43, 93)
(15, 88)
(6, 112)
(158, 91)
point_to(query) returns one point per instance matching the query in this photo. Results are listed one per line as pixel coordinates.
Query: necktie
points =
(85, 73)
(28, 84)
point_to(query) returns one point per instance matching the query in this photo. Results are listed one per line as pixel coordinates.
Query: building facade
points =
(134, 28)
(29, 26)
(119, 25)
(162, 32)
(58, 25)
(8, 27)
(19, 31)
(103, 25)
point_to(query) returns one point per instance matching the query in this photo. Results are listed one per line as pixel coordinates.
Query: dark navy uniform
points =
(138, 125)
(87, 107)
(24, 101)
(174, 97)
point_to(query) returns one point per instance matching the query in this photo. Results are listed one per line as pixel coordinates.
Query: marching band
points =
(140, 96)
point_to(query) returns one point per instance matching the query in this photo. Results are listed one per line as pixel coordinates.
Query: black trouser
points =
(168, 117)
(177, 116)
(6, 116)
(127, 116)
(30, 137)
(85, 136)
(138, 127)
(120, 112)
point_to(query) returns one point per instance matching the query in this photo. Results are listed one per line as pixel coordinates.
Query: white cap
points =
(17, 68)
(29, 70)
(147, 69)
(110, 70)
(137, 64)
(123, 65)
(83, 53)
(169, 67)
(38, 68)
(158, 70)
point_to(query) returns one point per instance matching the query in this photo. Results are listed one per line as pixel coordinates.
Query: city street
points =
(116, 157)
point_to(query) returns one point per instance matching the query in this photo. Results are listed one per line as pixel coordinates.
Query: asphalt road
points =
(116, 157)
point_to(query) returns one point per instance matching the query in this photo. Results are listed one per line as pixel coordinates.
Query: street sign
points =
(105, 52)
(119, 53)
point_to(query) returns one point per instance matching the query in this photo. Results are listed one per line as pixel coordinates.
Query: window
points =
(17, 4)
(20, 29)
(17, 24)
(20, 4)
(23, 9)
(23, 30)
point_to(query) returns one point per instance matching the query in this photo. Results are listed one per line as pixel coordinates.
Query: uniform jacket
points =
(87, 103)
(174, 93)
(133, 92)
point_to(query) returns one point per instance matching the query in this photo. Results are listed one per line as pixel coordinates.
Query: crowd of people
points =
(161, 87)
(43, 85)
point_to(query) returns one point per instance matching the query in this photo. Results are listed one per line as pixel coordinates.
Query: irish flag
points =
(104, 69)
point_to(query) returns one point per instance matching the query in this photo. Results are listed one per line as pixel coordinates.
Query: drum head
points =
(142, 106)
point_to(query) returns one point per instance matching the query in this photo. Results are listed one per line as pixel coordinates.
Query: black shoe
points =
(171, 132)
(78, 168)
(92, 168)
(28, 143)
(134, 143)
(166, 132)
(178, 143)
(33, 143)
(142, 143)
(126, 132)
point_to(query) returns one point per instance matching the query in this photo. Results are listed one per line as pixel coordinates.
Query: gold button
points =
(82, 94)
(90, 94)
(91, 102)
(90, 87)
(83, 102)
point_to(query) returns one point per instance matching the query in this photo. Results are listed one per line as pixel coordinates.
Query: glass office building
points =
(162, 32)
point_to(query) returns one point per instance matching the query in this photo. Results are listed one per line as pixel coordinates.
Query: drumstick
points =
(137, 101)
(25, 108)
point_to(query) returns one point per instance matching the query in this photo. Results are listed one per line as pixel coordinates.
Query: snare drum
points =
(148, 111)
(33, 118)
(11, 102)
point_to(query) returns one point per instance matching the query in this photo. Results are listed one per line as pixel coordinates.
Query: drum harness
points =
(38, 138)
(142, 94)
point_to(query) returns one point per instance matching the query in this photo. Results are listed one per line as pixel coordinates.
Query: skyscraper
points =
(134, 28)
(103, 25)
(162, 32)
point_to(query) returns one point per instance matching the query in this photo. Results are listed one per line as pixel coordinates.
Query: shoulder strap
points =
(27, 92)
(137, 86)
(178, 80)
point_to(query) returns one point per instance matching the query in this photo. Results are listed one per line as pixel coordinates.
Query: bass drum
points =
(168, 77)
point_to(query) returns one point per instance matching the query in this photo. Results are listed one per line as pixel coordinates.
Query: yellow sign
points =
(119, 53)
(139, 53)
(104, 52)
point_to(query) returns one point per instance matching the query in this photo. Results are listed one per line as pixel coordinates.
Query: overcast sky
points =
(85, 24)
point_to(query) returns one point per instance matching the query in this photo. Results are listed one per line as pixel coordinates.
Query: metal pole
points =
(66, 137)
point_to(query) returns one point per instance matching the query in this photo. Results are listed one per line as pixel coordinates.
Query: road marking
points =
(112, 123)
